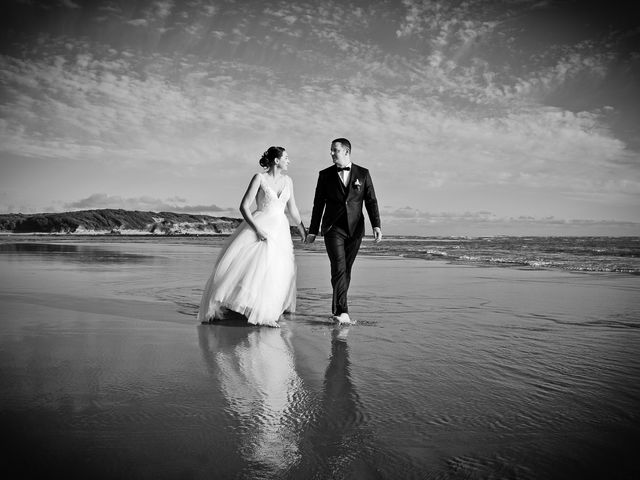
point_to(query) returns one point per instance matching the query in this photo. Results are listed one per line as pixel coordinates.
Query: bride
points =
(255, 274)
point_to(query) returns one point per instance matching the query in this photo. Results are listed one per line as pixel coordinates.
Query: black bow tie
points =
(340, 169)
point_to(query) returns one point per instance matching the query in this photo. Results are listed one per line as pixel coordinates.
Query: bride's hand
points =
(261, 235)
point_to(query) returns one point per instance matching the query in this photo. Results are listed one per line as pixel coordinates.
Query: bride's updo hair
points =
(269, 157)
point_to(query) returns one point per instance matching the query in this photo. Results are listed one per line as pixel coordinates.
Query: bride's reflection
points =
(256, 371)
(284, 426)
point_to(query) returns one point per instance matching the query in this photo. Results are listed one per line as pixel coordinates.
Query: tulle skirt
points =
(252, 277)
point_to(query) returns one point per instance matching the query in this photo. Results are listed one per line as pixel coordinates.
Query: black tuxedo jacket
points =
(334, 200)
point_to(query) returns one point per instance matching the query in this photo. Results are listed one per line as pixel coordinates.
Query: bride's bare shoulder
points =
(256, 179)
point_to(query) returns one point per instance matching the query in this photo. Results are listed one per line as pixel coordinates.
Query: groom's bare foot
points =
(343, 318)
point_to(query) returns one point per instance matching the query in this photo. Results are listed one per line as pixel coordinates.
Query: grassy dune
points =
(116, 221)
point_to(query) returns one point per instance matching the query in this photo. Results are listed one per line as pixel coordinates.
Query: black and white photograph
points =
(320, 239)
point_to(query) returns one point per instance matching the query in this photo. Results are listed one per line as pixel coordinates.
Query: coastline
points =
(119, 233)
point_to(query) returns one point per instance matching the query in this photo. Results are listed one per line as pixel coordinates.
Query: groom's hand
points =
(310, 238)
(377, 234)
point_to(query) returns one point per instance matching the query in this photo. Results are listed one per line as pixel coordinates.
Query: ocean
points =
(486, 358)
(580, 254)
(576, 254)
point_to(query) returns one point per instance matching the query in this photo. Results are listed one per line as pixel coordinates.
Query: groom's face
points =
(339, 154)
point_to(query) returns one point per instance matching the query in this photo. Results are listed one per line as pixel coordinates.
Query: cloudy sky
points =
(475, 117)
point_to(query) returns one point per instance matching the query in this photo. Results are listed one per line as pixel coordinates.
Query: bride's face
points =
(283, 161)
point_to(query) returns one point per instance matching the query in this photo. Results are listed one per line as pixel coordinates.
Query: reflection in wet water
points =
(287, 429)
(335, 441)
(256, 371)
(71, 253)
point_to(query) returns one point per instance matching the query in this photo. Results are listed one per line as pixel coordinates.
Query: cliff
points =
(112, 221)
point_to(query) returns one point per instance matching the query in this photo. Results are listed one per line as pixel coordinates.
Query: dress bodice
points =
(268, 199)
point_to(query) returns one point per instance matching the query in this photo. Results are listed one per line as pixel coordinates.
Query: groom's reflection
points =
(333, 445)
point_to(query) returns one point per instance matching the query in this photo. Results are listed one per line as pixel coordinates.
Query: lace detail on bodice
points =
(267, 198)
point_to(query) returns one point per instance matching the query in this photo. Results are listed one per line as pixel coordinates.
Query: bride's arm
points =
(294, 213)
(245, 206)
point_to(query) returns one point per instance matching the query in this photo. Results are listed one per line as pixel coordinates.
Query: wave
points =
(579, 254)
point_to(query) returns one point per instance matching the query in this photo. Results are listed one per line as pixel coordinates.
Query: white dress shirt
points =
(345, 174)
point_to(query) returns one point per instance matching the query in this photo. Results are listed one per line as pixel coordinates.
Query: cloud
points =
(144, 203)
(476, 54)
(94, 108)
(444, 92)
(90, 107)
(139, 22)
(69, 4)
(448, 24)
(209, 10)
(162, 9)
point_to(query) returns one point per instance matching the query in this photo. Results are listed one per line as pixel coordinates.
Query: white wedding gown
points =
(252, 277)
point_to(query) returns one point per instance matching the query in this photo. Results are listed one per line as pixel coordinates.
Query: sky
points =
(475, 117)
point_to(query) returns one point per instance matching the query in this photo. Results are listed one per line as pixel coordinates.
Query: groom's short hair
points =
(345, 143)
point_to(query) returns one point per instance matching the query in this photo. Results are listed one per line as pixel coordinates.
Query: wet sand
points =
(450, 371)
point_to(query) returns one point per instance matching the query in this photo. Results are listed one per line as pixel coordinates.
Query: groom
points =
(340, 192)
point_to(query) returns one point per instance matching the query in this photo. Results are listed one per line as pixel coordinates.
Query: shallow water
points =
(450, 372)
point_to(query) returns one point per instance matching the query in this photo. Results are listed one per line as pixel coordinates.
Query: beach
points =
(450, 371)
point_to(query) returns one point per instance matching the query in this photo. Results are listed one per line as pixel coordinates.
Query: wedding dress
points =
(252, 277)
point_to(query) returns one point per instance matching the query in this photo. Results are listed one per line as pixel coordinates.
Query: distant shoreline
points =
(112, 235)
(116, 222)
(4, 233)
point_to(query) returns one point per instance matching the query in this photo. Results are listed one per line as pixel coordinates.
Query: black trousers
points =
(342, 250)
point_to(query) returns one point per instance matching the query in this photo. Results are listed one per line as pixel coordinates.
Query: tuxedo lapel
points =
(352, 178)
